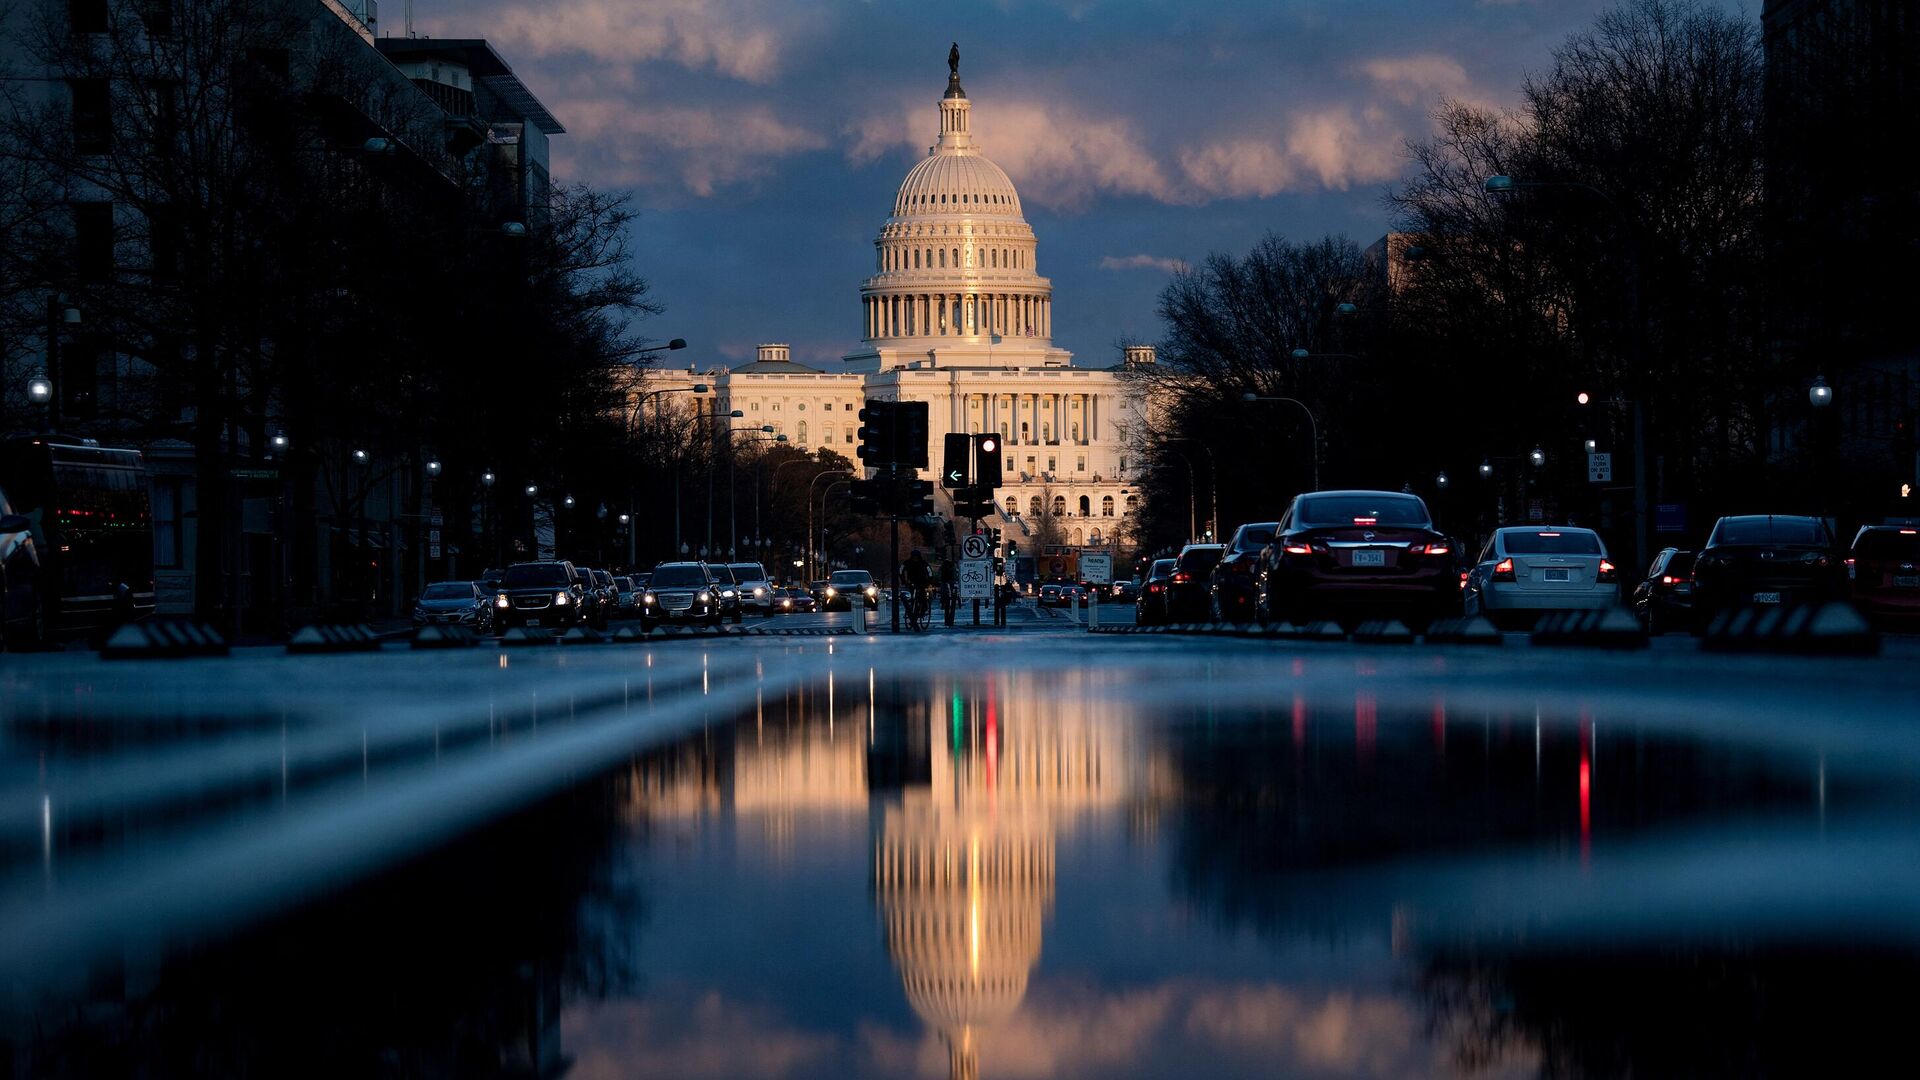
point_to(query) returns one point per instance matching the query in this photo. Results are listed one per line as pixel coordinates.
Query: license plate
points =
(1559, 574)
(1906, 581)
(1369, 558)
(1766, 598)
(533, 622)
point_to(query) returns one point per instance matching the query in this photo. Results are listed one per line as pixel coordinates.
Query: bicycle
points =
(919, 609)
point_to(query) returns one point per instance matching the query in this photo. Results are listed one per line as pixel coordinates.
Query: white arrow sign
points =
(955, 476)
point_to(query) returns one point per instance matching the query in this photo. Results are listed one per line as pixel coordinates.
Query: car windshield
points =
(448, 590)
(1903, 544)
(851, 577)
(1200, 559)
(667, 577)
(721, 574)
(1767, 530)
(1681, 564)
(1550, 542)
(748, 571)
(535, 575)
(1381, 509)
(1161, 568)
(1254, 537)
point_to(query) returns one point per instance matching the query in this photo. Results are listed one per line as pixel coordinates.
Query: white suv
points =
(755, 590)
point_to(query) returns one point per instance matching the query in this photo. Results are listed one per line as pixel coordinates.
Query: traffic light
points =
(986, 461)
(910, 434)
(868, 496)
(916, 496)
(957, 461)
(879, 432)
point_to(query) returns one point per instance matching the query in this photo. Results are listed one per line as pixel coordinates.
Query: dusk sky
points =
(763, 140)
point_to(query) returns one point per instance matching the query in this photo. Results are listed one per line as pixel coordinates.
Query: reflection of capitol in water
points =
(964, 865)
(968, 784)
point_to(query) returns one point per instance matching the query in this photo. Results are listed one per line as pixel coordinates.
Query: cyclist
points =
(918, 577)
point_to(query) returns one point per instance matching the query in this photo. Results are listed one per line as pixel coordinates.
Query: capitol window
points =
(943, 260)
(1059, 506)
(802, 430)
(1106, 506)
(1133, 503)
(1034, 507)
(916, 260)
(801, 407)
(755, 407)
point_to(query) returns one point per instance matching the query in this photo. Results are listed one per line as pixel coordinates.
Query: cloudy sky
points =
(762, 140)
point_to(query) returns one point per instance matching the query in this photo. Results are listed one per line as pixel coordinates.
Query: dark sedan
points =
(1236, 580)
(1189, 590)
(1766, 560)
(1884, 566)
(460, 602)
(1150, 609)
(1351, 555)
(1663, 600)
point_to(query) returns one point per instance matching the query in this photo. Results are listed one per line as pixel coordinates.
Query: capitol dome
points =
(954, 265)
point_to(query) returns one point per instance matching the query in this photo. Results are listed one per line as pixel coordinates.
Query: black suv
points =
(1236, 578)
(682, 592)
(541, 594)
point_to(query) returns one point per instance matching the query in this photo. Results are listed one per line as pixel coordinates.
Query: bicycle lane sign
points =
(976, 579)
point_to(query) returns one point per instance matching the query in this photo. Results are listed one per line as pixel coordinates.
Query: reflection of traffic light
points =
(879, 432)
(986, 461)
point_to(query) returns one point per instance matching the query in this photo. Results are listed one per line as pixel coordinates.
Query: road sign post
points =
(1599, 467)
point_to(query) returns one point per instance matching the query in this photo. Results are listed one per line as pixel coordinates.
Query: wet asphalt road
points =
(1024, 853)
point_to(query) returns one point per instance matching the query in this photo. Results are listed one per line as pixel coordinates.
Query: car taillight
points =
(1463, 580)
(1181, 576)
(1606, 570)
(1503, 570)
(1155, 587)
(1428, 549)
(1670, 579)
(1299, 549)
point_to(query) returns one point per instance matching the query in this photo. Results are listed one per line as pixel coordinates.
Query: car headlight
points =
(871, 589)
(759, 592)
(705, 596)
(647, 599)
(561, 599)
(500, 601)
(726, 594)
(831, 592)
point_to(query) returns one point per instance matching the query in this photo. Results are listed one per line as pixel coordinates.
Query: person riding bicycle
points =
(916, 572)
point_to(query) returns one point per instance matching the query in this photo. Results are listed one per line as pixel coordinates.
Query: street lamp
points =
(1538, 457)
(1592, 445)
(532, 490)
(1313, 426)
(567, 502)
(39, 390)
(487, 478)
(361, 457)
(433, 468)
(1486, 468)
(1441, 481)
(280, 442)
(1819, 395)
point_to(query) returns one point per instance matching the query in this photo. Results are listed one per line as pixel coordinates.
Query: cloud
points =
(1418, 79)
(703, 148)
(740, 39)
(1142, 262)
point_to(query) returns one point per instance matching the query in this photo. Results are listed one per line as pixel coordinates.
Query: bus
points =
(78, 551)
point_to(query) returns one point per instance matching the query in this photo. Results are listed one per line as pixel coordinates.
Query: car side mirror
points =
(15, 523)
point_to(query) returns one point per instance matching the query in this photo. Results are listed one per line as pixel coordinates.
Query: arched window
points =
(1076, 433)
(916, 259)
(1078, 538)
(1086, 504)
(956, 256)
(943, 260)
(1133, 503)
(1013, 506)
(1034, 507)
(1003, 431)
(1046, 432)
(994, 259)
(1059, 506)
(1106, 506)
(1023, 431)
(801, 428)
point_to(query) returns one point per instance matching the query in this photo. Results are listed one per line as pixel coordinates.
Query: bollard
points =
(1093, 611)
(857, 611)
(1073, 610)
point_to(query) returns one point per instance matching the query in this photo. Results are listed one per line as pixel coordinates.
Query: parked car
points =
(1151, 607)
(540, 594)
(681, 592)
(1189, 590)
(1663, 600)
(1349, 555)
(756, 591)
(1884, 567)
(1236, 577)
(463, 603)
(844, 585)
(1765, 560)
(1523, 571)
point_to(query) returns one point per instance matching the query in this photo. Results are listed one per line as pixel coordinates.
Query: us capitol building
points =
(957, 315)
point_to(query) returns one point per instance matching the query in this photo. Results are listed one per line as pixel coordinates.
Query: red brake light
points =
(1503, 570)
(1299, 549)
(1606, 570)
(1182, 575)
(1428, 549)
(1910, 532)
(1366, 521)
(1670, 579)
(1549, 534)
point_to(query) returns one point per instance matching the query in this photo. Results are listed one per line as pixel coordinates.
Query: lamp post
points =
(1193, 513)
(816, 479)
(1820, 399)
(1642, 527)
(40, 394)
(1313, 427)
(487, 480)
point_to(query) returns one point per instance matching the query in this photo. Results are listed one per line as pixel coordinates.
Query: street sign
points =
(1599, 467)
(254, 474)
(1670, 517)
(976, 547)
(1096, 567)
(976, 578)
